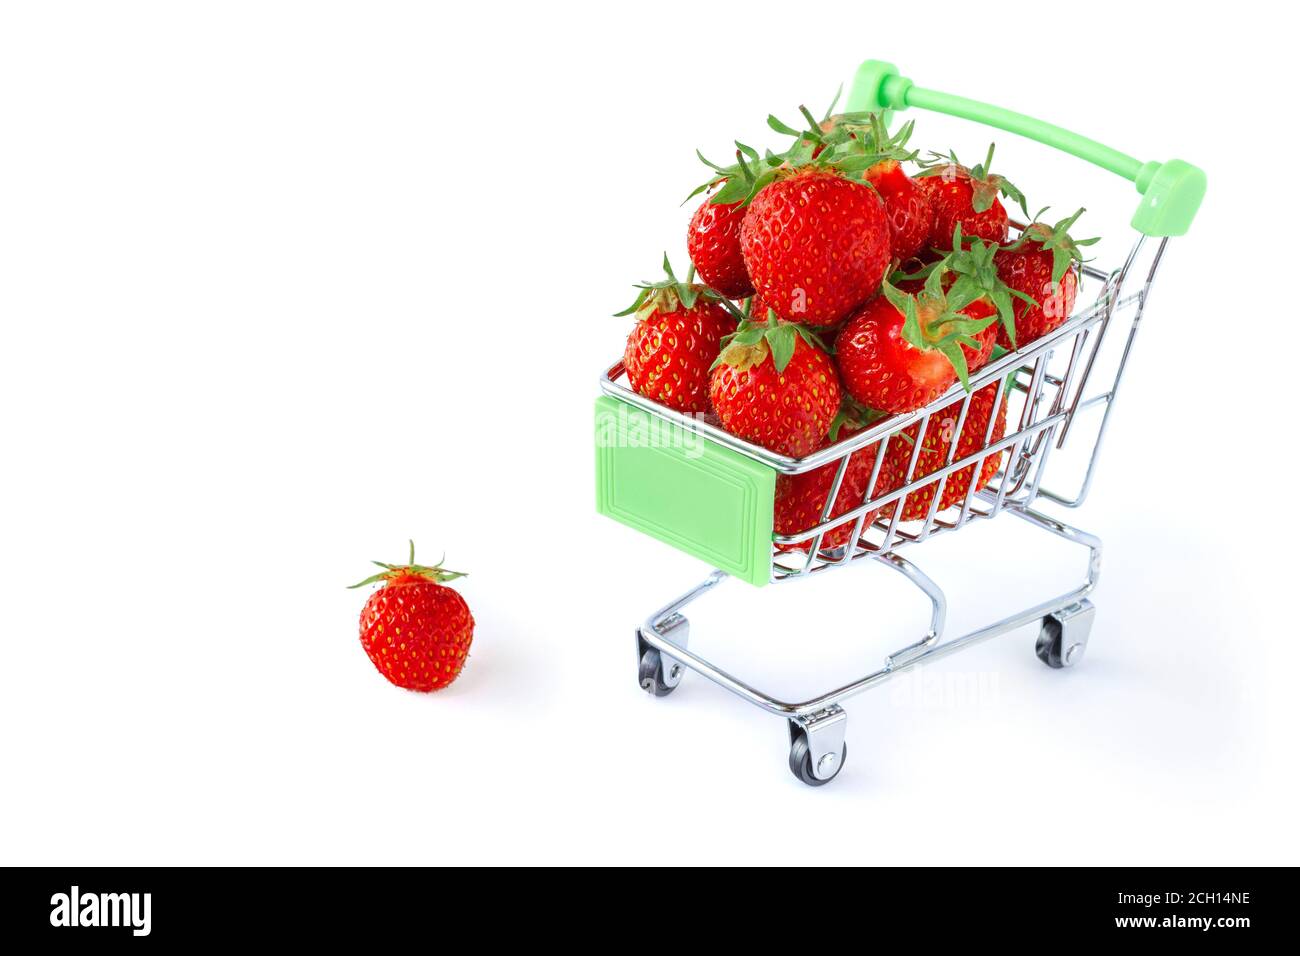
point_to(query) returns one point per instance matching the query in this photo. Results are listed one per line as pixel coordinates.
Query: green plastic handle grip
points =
(1171, 191)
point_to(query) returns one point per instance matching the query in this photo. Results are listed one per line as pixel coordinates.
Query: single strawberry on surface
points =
(902, 351)
(774, 386)
(939, 434)
(713, 243)
(967, 197)
(1043, 266)
(415, 630)
(679, 331)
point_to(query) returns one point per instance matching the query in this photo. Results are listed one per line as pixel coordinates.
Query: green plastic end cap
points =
(1171, 195)
(877, 86)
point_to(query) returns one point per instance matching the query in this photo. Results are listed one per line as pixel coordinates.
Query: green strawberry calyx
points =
(392, 572)
(848, 144)
(932, 319)
(1056, 240)
(985, 185)
(859, 135)
(741, 181)
(669, 294)
(974, 272)
(754, 340)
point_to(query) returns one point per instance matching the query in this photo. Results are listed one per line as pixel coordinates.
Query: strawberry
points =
(815, 239)
(978, 355)
(679, 331)
(713, 242)
(816, 245)
(906, 207)
(801, 498)
(967, 198)
(415, 631)
(1042, 264)
(935, 448)
(971, 270)
(902, 351)
(911, 217)
(774, 386)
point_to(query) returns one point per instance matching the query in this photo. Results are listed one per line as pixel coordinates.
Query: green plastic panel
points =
(685, 490)
(1171, 191)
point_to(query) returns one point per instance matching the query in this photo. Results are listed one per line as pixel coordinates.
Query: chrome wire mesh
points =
(1045, 384)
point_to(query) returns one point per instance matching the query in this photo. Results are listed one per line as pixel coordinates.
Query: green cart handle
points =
(1171, 191)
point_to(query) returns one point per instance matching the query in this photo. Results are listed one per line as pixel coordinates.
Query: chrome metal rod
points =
(1108, 301)
(928, 649)
(938, 608)
(1111, 395)
(610, 385)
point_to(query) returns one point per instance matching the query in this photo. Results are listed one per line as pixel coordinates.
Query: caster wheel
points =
(801, 762)
(1064, 635)
(1048, 647)
(652, 677)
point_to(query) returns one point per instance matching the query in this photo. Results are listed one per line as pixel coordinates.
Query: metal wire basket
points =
(710, 494)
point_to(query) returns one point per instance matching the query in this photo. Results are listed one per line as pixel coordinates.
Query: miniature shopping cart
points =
(710, 494)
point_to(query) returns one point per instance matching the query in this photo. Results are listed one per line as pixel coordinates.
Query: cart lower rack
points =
(681, 479)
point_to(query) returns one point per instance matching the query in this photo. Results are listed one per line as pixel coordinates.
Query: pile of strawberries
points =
(830, 288)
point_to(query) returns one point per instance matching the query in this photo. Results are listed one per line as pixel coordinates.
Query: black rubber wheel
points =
(1048, 647)
(651, 674)
(801, 762)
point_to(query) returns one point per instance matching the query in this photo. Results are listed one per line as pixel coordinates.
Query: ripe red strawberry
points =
(967, 198)
(970, 270)
(1043, 265)
(800, 499)
(938, 439)
(774, 386)
(816, 244)
(679, 332)
(902, 351)
(415, 631)
(713, 242)
(907, 207)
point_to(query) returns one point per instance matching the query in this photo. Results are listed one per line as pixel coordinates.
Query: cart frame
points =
(1049, 382)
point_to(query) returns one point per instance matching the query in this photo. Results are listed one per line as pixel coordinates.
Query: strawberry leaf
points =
(436, 573)
(830, 110)
(669, 294)
(781, 127)
(1011, 192)
(636, 305)
(781, 341)
(808, 335)
(912, 324)
(1006, 314)
(953, 352)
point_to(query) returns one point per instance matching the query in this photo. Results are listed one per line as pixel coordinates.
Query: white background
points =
(284, 284)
